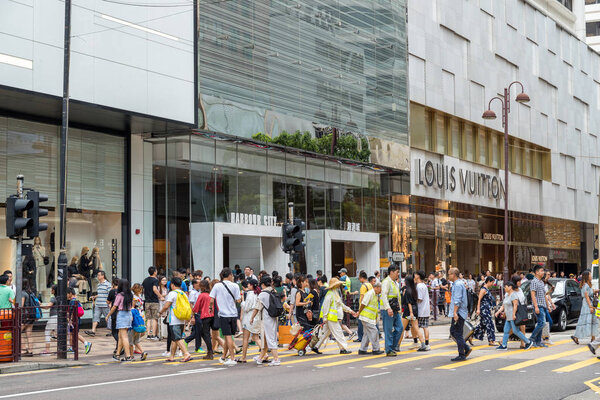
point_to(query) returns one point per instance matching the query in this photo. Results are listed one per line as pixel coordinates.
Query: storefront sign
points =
(252, 219)
(446, 177)
(493, 236)
(539, 259)
(353, 226)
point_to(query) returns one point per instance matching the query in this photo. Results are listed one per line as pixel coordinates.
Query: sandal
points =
(241, 361)
(574, 339)
(168, 360)
(188, 358)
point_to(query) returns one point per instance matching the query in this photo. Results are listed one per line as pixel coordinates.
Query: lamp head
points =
(522, 98)
(488, 114)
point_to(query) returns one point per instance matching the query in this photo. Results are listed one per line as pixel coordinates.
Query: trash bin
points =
(6, 337)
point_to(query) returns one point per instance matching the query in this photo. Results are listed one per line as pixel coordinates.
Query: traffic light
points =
(16, 222)
(595, 254)
(35, 213)
(299, 234)
(289, 240)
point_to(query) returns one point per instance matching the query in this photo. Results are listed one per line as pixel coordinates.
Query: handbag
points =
(522, 316)
(46, 260)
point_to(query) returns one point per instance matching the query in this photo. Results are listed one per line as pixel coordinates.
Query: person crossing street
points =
(332, 311)
(458, 313)
(390, 299)
(368, 314)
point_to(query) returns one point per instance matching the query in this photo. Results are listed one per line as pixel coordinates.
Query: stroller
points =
(304, 337)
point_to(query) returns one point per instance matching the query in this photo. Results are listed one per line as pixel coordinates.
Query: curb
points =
(36, 366)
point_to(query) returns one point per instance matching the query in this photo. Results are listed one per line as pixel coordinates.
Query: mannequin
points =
(39, 253)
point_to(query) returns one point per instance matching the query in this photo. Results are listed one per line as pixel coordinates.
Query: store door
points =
(567, 268)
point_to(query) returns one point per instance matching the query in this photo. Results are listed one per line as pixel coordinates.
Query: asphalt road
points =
(553, 373)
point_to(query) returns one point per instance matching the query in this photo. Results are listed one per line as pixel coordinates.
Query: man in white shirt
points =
(226, 294)
(423, 306)
(175, 324)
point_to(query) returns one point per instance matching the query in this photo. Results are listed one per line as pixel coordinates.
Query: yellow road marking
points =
(363, 358)
(591, 385)
(539, 360)
(29, 372)
(497, 354)
(417, 358)
(577, 365)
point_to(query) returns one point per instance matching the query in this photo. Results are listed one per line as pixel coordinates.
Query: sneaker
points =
(548, 342)
(209, 356)
(592, 349)
(501, 347)
(528, 345)
(274, 363)
(230, 363)
(542, 345)
(362, 352)
(200, 351)
(344, 351)
(166, 354)
(116, 357)
(459, 358)
(90, 333)
(357, 340)
(257, 360)
(144, 356)
(239, 334)
(423, 348)
(221, 361)
(88, 347)
(377, 352)
(352, 336)
(391, 354)
(316, 350)
(155, 338)
(415, 346)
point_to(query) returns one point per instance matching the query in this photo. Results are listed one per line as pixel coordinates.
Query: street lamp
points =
(489, 114)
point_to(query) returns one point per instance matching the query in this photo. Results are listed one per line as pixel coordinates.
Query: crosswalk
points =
(515, 360)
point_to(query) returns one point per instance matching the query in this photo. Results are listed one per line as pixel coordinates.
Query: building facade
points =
(461, 54)
(132, 70)
(330, 74)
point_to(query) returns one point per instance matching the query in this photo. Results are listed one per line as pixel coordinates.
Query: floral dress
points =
(587, 325)
(486, 324)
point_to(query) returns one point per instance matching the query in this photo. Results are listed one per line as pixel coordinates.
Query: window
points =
(482, 146)
(440, 134)
(469, 145)
(567, 3)
(455, 138)
(592, 28)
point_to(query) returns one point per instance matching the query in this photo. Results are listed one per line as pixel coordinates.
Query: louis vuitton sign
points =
(471, 182)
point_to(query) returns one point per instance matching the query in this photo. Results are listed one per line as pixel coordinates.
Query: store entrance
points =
(349, 255)
(567, 268)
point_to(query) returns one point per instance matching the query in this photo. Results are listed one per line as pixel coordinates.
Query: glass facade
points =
(200, 179)
(96, 191)
(443, 234)
(304, 65)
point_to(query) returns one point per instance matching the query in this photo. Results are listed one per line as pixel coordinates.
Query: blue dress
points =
(587, 325)
(486, 324)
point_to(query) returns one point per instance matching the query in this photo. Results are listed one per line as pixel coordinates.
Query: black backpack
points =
(275, 309)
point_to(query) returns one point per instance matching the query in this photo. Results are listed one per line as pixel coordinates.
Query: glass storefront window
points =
(455, 134)
(469, 145)
(482, 146)
(441, 135)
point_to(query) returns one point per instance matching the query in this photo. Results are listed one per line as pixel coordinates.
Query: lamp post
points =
(489, 114)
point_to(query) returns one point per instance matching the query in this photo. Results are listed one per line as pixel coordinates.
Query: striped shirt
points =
(540, 292)
(103, 289)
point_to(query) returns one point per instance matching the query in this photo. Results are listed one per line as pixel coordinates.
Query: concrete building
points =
(463, 53)
(132, 70)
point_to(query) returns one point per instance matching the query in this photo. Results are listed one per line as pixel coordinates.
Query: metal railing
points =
(28, 332)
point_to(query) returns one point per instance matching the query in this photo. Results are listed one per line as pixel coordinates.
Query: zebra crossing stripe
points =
(528, 363)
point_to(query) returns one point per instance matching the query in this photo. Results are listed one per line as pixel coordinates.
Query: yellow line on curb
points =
(528, 363)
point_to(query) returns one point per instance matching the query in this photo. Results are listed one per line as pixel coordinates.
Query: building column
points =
(142, 234)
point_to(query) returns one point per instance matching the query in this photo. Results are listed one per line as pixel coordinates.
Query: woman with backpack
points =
(122, 306)
(29, 315)
(269, 326)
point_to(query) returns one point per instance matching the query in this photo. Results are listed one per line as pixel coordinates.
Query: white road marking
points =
(381, 373)
(145, 378)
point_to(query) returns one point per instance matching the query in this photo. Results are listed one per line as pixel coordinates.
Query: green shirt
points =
(6, 294)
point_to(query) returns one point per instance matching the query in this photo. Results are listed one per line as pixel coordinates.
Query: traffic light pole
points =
(19, 261)
(291, 221)
(62, 258)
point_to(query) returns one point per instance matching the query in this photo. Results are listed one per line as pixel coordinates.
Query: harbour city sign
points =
(469, 181)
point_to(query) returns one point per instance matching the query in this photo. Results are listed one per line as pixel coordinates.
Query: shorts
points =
(228, 325)
(177, 332)
(124, 319)
(134, 337)
(99, 313)
(151, 310)
(423, 322)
